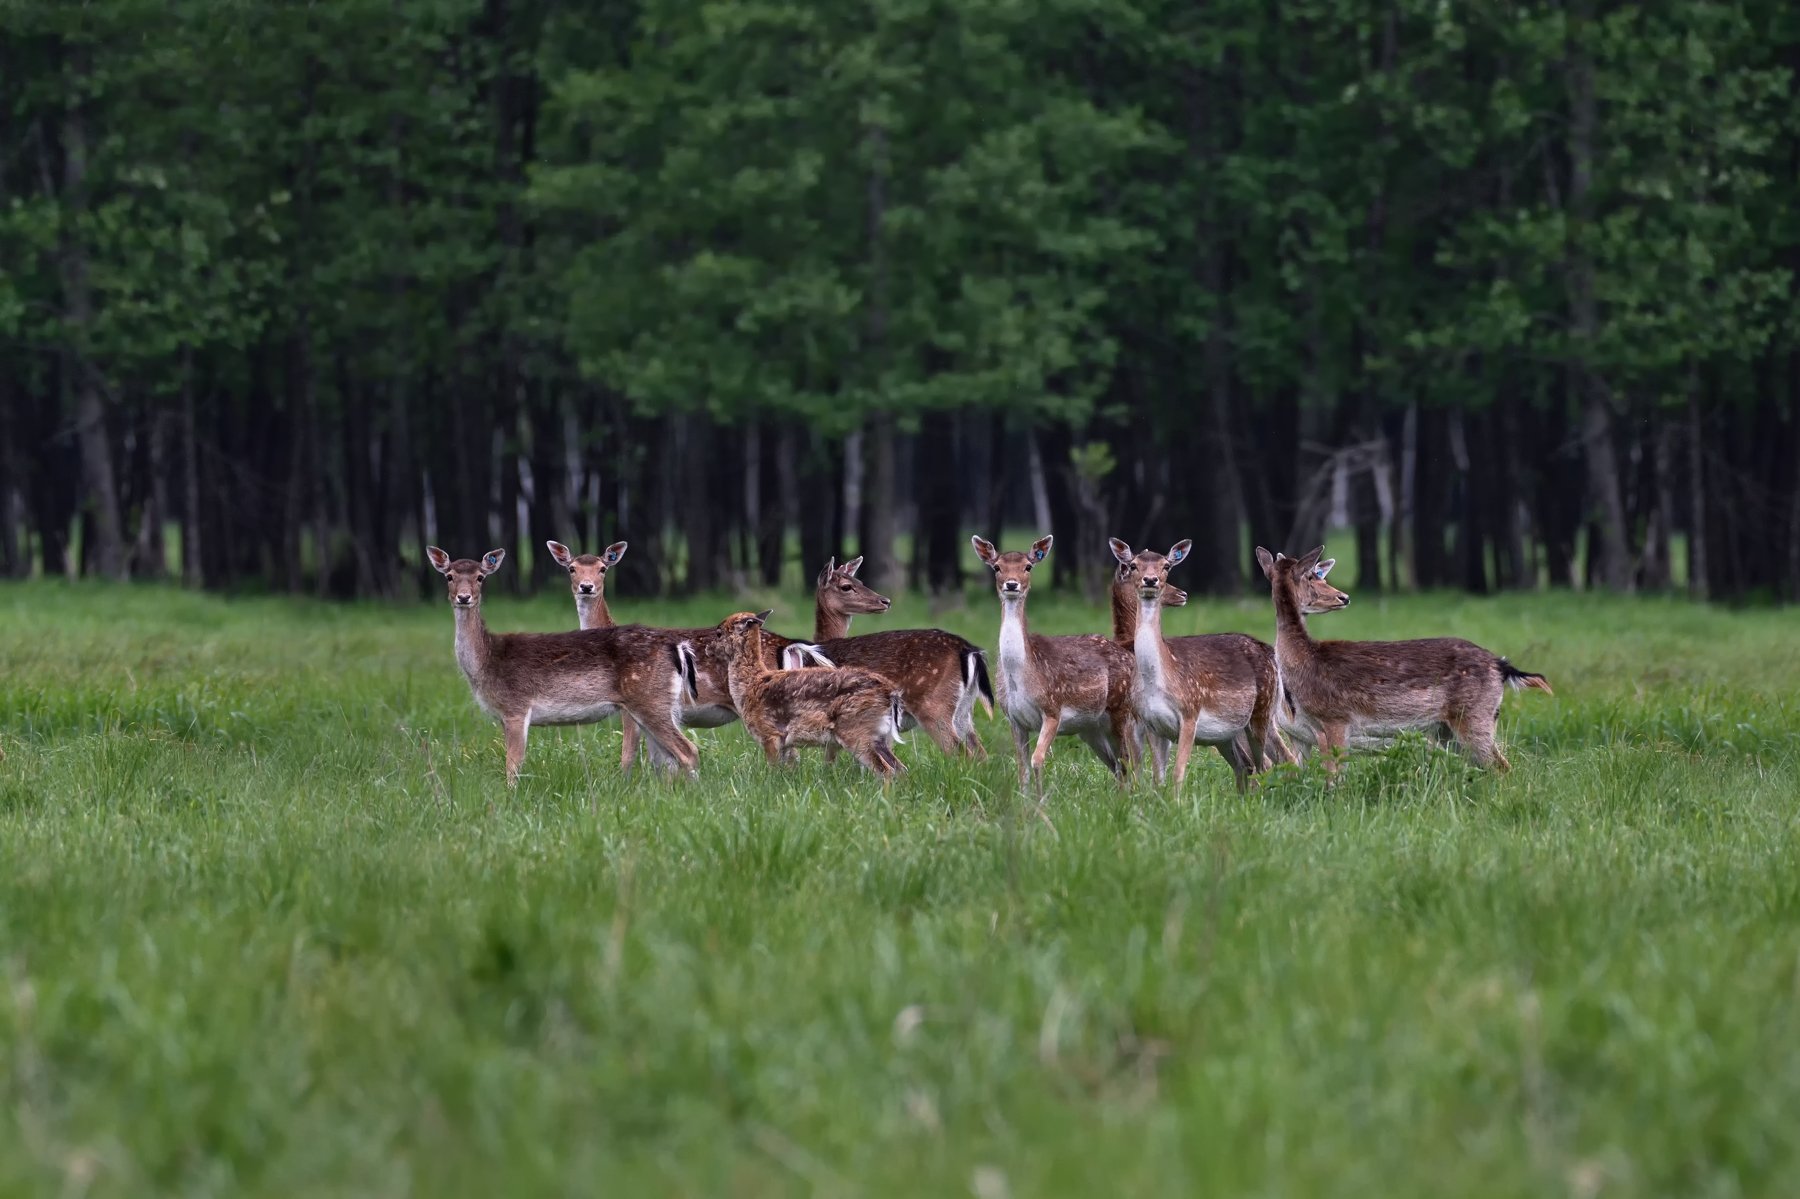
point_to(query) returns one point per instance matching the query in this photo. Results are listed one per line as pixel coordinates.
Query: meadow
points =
(271, 924)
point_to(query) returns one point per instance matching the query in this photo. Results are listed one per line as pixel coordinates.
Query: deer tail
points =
(1512, 676)
(975, 674)
(896, 716)
(684, 666)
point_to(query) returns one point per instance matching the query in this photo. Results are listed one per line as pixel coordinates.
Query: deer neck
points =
(1291, 636)
(828, 623)
(745, 668)
(592, 611)
(1015, 636)
(1124, 612)
(1147, 638)
(474, 645)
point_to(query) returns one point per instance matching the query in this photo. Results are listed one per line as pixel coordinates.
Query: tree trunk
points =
(939, 502)
(1613, 564)
(107, 553)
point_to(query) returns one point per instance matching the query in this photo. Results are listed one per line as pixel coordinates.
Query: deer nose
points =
(1345, 602)
(886, 604)
(465, 600)
(1010, 585)
(1152, 581)
(587, 589)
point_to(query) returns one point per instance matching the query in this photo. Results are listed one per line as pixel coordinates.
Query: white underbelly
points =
(1074, 722)
(571, 711)
(1156, 711)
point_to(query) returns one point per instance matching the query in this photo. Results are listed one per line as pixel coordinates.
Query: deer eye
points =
(1028, 568)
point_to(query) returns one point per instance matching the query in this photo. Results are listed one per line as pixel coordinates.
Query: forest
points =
(1503, 290)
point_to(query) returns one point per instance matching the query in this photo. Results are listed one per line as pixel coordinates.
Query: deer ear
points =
(851, 567)
(614, 552)
(559, 552)
(1120, 550)
(440, 561)
(490, 561)
(1040, 548)
(1310, 559)
(1179, 551)
(830, 568)
(984, 549)
(1324, 568)
(1266, 560)
(764, 615)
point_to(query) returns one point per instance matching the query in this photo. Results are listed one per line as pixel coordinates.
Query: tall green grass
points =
(270, 923)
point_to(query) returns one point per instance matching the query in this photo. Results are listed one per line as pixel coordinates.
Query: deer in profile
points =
(857, 710)
(1057, 685)
(524, 679)
(1355, 694)
(1216, 688)
(940, 675)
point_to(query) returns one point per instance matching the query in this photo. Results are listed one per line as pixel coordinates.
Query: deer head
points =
(1012, 571)
(1304, 579)
(1148, 571)
(465, 574)
(840, 590)
(587, 572)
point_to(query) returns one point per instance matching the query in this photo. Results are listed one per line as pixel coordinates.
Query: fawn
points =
(561, 678)
(1216, 688)
(856, 709)
(1364, 693)
(1057, 685)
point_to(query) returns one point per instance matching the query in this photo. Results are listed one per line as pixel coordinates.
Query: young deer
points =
(561, 678)
(1364, 693)
(1078, 685)
(940, 675)
(847, 707)
(1217, 688)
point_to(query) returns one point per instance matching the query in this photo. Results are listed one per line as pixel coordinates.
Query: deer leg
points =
(659, 727)
(1046, 735)
(628, 746)
(515, 727)
(1333, 740)
(1022, 749)
(1184, 748)
(973, 747)
(941, 728)
(1477, 740)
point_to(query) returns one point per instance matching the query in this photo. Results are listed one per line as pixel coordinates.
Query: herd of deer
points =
(1136, 690)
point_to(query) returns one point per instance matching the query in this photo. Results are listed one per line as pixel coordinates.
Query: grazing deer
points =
(847, 707)
(561, 678)
(1057, 685)
(940, 675)
(1364, 693)
(1216, 688)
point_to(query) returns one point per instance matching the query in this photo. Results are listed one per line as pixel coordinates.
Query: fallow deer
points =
(1057, 685)
(1364, 693)
(587, 579)
(1124, 631)
(1216, 688)
(940, 675)
(524, 679)
(855, 709)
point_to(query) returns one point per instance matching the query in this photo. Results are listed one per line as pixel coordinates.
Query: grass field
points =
(271, 924)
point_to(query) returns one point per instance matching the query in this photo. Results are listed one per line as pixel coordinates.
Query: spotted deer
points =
(1219, 689)
(1057, 685)
(940, 675)
(524, 679)
(1357, 694)
(587, 579)
(855, 709)
(1124, 631)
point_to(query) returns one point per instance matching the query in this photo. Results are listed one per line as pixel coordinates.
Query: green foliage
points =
(275, 926)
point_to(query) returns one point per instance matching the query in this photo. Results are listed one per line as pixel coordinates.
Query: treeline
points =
(1505, 288)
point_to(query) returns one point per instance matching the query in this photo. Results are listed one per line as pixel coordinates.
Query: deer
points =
(1360, 694)
(1124, 631)
(841, 706)
(587, 580)
(940, 675)
(579, 677)
(1219, 689)
(1077, 685)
